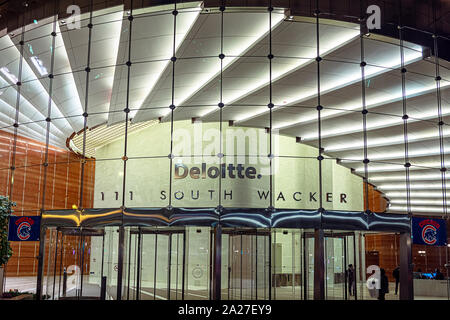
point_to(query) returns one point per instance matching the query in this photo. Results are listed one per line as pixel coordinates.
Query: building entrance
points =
(340, 252)
(71, 272)
(177, 263)
(156, 264)
(245, 264)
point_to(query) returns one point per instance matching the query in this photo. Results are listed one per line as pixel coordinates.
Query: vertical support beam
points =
(406, 269)
(217, 271)
(319, 265)
(121, 249)
(40, 257)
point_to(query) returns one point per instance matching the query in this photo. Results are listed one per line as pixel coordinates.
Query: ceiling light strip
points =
(227, 62)
(135, 113)
(262, 84)
(377, 102)
(380, 125)
(425, 209)
(385, 141)
(344, 82)
(25, 69)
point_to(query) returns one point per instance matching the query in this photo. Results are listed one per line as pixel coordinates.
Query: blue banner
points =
(431, 232)
(24, 228)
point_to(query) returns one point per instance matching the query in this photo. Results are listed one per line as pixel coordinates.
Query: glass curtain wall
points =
(362, 108)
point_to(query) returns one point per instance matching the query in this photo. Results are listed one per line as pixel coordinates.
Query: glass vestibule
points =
(176, 263)
(341, 249)
(77, 260)
(167, 263)
(154, 267)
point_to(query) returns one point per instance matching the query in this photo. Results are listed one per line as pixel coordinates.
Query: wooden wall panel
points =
(425, 258)
(376, 201)
(61, 190)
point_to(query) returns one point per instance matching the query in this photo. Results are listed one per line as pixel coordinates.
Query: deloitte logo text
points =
(224, 171)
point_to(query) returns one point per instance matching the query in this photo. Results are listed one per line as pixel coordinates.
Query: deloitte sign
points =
(224, 171)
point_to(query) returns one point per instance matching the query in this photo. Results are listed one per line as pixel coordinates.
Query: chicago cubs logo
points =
(429, 234)
(23, 231)
(24, 228)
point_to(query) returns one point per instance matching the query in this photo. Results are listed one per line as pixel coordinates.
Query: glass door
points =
(341, 268)
(335, 262)
(75, 263)
(287, 262)
(245, 264)
(156, 260)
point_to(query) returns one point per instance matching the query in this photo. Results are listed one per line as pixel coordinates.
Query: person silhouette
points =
(384, 285)
(351, 279)
(438, 275)
(396, 275)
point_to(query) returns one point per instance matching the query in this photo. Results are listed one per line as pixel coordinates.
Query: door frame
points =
(169, 231)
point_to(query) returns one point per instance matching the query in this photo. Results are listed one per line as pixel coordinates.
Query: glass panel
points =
(245, 264)
(334, 269)
(309, 266)
(288, 260)
(198, 263)
(176, 266)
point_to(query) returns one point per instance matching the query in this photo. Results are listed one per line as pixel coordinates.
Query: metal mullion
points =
(177, 274)
(441, 138)
(54, 267)
(169, 265)
(138, 265)
(346, 285)
(364, 116)
(82, 262)
(240, 262)
(47, 140)
(49, 109)
(441, 123)
(127, 109)
(86, 101)
(60, 264)
(155, 265)
(183, 277)
(129, 266)
(319, 107)
(355, 266)
(16, 125)
(270, 108)
(405, 117)
(221, 56)
(103, 254)
(16, 119)
(172, 106)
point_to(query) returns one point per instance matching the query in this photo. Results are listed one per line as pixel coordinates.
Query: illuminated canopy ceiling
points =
(245, 86)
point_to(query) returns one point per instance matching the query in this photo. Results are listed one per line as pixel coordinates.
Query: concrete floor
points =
(91, 289)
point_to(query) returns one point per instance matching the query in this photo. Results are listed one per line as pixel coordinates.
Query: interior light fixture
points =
(411, 186)
(261, 32)
(343, 81)
(261, 83)
(436, 202)
(11, 77)
(401, 177)
(398, 167)
(391, 140)
(416, 209)
(416, 194)
(39, 65)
